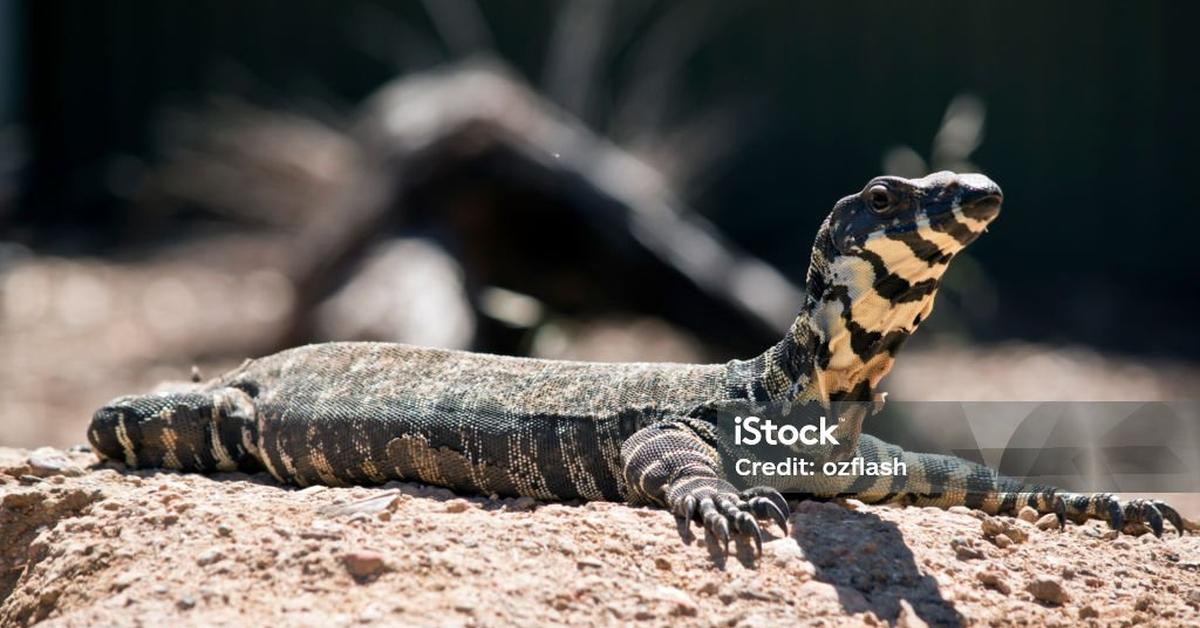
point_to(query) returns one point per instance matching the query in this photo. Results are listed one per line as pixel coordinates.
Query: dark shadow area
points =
(860, 551)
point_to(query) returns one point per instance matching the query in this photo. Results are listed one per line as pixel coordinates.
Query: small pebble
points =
(1027, 513)
(991, 527)
(994, 580)
(457, 505)
(523, 504)
(1047, 589)
(363, 563)
(682, 604)
(964, 550)
(209, 556)
(1047, 522)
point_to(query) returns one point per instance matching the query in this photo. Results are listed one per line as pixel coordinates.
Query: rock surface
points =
(85, 544)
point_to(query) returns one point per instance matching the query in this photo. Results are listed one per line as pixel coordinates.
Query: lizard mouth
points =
(984, 209)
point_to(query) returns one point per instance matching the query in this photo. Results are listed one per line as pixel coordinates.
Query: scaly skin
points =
(365, 413)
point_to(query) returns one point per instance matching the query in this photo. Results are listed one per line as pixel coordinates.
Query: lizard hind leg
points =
(188, 431)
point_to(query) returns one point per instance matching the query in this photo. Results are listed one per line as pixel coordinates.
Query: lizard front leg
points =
(672, 465)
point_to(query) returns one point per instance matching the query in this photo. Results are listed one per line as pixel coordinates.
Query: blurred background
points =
(189, 183)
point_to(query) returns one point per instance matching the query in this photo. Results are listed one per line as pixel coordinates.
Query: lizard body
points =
(365, 413)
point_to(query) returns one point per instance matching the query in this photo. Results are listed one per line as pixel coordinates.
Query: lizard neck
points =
(859, 309)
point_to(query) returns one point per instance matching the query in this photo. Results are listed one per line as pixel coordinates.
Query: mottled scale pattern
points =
(365, 413)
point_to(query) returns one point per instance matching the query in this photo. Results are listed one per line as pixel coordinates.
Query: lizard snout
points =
(980, 196)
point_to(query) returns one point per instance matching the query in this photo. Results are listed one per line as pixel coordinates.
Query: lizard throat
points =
(858, 311)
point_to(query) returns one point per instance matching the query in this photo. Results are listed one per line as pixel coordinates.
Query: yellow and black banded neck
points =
(876, 265)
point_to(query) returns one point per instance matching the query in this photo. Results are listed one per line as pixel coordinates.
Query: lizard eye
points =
(880, 198)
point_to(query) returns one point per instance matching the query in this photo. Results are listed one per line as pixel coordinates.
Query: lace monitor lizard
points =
(364, 413)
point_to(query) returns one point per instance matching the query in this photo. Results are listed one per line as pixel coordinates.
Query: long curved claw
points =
(1060, 511)
(1116, 518)
(707, 509)
(764, 508)
(1145, 512)
(743, 523)
(1170, 514)
(767, 503)
(714, 521)
(746, 525)
(769, 493)
(687, 509)
(719, 527)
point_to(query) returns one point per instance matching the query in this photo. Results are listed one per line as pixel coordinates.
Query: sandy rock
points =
(522, 504)
(363, 563)
(1047, 522)
(850, 599)
(1028, 513)
(965, 549)
(458, 505)
(908, 617)
(1048, 589)
(994, 580)
(209, 556)
(125, 580)
(681, 603)
(788, 554)
(46, 462)
(993, 527)
(94, 550)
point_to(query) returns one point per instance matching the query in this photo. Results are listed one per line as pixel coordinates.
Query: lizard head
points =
(931, 218)
(876, 266)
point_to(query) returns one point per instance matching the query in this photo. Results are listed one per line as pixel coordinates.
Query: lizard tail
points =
(187, 431)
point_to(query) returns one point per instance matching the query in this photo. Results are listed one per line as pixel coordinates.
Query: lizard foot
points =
(720, 508)
(1118, 514)
(1080, 507)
